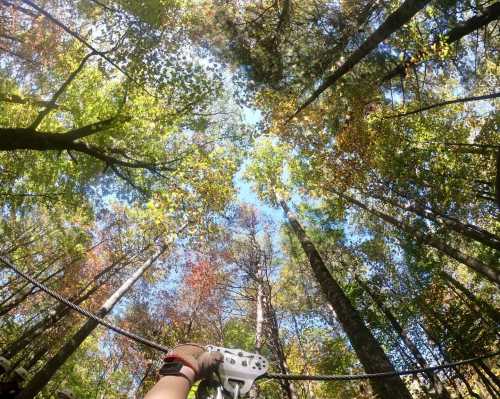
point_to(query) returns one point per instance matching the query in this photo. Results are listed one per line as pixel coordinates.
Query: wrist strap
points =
(175, 368)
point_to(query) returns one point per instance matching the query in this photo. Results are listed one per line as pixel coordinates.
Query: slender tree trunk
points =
(36, 384)
(448, 359)
(35, 358)
(481, 305)
(392, 23)
(489, 373)
(286, 385)
(368, 350)
(409, 363)
(259, 325)
(467, 230)
(20, 288)
(486, 383)
(490, 272)
(259, 319)
(489, 14)
(43, 325)
(21, 298)
(305, 357)
(436, 383)
(62, 310)
(468, 352)
(497, 179)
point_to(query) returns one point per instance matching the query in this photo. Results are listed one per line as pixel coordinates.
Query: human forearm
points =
(170, 387)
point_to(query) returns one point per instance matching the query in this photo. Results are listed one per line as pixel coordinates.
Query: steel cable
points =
(304, 377)
(351, 377)
(85, 312)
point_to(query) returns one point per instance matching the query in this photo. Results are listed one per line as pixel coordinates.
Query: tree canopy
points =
(316, 181)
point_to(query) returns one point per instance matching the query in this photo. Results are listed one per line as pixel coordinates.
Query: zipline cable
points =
(351, 377)
(303, 377)
(85, 312)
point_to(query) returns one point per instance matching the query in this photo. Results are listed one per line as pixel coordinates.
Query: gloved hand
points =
(195, 357)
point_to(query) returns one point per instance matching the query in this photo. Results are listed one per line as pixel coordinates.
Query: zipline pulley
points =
(238, 372)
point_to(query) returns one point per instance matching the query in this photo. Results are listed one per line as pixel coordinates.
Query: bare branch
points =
(101, 54)
(442, 104)
(59, 92)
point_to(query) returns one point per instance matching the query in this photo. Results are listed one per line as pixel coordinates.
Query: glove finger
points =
(215, 358)
(209, 362)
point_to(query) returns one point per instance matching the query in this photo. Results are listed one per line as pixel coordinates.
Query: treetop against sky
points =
(317, 181)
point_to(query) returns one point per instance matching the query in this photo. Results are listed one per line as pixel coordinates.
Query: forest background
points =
(315, 180)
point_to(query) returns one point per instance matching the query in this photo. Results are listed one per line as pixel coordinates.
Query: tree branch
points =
(393, 22)
(59, 92)
(15, 99)
(93, 128)
(490, 14)
(442, 104)
(12, 139)
(101, 54)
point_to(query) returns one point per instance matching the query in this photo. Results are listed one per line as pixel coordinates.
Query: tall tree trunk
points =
(259, 325)
(61, 310)
(21, 298)
(309, 392)
(21, 292)
(38, 355)
(392, 23)
(473, 232)
(259, 318)
(490, 272)
(480, 306)
(432, 338)
(489, 373)
(466, 351)
(368, 349)
(497, 179)
(489, 14)
(409, 363)
(43, 325)
(36, 384)
(436, 383)
(486, 383)
(274, 337)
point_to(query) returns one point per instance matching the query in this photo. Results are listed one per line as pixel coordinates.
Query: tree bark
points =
(444, 103)
(484, 306)
(36, 384)
(497, 179)
(21, 298)
(490, 14)
(436, 383)
(448, 359)
(61, 309)
(259, 325)
(274, 336)
(489, 272)
(473, 232)
(367, 348)
(393, 22)
(486, 383)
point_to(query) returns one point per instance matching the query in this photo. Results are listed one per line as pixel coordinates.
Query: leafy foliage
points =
(126, 126)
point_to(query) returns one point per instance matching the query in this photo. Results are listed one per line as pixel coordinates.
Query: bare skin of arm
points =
(170, 387)
(197, 365)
